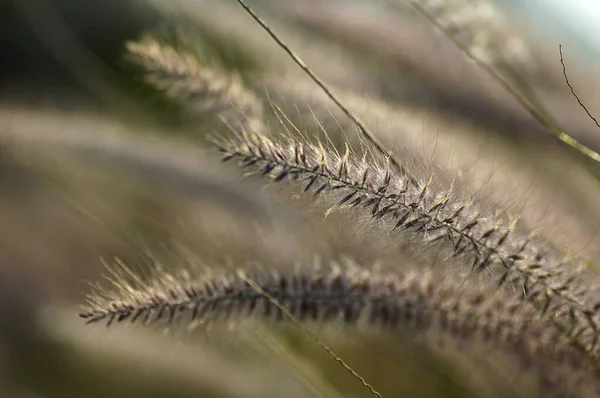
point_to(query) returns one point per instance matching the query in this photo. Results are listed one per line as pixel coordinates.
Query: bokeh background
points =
(97, 165)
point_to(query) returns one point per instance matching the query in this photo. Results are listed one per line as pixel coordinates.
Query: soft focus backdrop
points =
(97, 165)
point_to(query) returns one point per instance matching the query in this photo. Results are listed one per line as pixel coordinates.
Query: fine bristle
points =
(514, 258)
(408, 302)
(198, 87)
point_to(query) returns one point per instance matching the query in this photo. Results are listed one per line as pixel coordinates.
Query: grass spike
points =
(198, 87)
(508, 254)
(406, 301)
(367, 134)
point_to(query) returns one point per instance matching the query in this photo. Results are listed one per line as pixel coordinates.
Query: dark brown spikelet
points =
(427, 309)
(556, 286)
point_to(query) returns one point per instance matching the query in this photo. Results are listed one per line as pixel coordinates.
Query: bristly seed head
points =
(205, 89)
(512, 257)
(410, 302)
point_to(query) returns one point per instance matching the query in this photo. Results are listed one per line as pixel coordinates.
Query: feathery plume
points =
(409, 302)
(514, 258)
(200, 88)
(481, 27)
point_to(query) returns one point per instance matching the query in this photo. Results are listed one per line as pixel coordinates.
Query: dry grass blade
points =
(528, 102)
(302, 327)
(367, 134)
(483, 29)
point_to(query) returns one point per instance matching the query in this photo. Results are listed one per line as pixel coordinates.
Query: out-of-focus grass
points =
(80, 180)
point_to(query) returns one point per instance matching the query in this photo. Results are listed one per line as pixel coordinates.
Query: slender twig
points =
(562, 62)
(306, 330)
(549, 126)
(355, 119)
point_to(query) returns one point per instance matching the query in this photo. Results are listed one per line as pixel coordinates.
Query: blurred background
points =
(95, 164)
